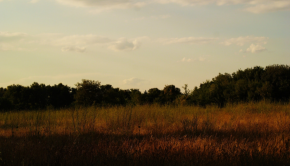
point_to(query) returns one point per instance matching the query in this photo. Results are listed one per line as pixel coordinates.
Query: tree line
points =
(271, 83)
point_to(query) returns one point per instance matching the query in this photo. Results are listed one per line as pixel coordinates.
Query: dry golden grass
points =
(243, 134)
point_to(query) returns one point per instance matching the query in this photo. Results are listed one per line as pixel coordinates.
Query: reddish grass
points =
(257, 134)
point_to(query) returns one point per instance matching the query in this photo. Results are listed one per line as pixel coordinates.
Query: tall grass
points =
(241, 134)
(150, 119)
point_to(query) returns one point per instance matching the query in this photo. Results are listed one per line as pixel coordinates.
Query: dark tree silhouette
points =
(88, 93)
(253, 84)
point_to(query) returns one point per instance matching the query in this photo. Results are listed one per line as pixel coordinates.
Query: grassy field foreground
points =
(243, 134)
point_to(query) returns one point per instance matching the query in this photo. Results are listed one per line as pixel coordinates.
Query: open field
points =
(243, 134)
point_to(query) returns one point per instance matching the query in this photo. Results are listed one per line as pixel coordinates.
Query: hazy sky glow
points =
(139, 44)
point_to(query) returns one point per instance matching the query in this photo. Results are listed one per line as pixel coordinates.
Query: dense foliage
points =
(253, 84)
(36, 96)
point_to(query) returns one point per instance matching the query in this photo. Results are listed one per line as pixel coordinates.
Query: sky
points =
(139, 44)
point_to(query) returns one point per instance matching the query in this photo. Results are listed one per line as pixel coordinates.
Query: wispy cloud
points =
(165, 16)
(242, 40)
(135, 81)
(9, 40)
(79, 43)
(199, 59)
(103, 5)
(256, 43)
(254, 48)
(11, 36)
(79, 40)
(30, 1)
(82, 43)
(270, 6)
(34, 1)
(125, 45)
(187, 40)
(73, 49)
(253, 6)
(186, 59)
(5, 47)
(70, 43)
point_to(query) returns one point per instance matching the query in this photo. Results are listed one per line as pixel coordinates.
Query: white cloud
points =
(240, 41)
(187, 40)
(256, 48)
(253, 6)
(103, 5)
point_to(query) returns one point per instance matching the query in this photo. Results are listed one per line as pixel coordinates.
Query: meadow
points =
(238, 134)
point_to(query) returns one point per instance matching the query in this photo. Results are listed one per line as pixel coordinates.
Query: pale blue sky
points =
(139, 44)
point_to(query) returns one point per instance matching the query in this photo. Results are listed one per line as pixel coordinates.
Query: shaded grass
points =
(242, 134)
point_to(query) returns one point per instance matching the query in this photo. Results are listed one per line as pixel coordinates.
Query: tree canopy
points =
(271, 83)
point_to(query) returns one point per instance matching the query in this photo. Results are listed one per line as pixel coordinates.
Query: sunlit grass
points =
(237, 134)
(149, 119)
